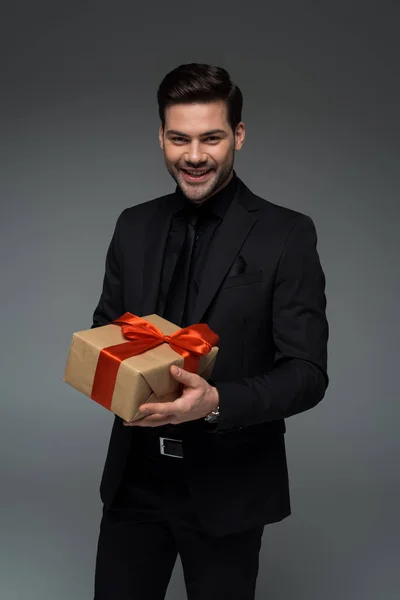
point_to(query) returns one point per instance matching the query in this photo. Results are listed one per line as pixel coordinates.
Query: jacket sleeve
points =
(298, 379)
(110, 305)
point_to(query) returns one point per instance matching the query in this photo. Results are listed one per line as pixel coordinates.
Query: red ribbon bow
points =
(190, 342)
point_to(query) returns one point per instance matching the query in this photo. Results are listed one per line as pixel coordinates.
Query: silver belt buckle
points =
(163, 450)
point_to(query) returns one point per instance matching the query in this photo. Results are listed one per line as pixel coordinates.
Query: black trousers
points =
(150, 523)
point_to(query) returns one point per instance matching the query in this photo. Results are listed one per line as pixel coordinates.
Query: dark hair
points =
(198, 82)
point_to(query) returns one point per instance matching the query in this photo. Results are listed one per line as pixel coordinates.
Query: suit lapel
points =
(230, 237)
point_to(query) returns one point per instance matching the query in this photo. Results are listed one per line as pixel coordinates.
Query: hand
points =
(197, 400)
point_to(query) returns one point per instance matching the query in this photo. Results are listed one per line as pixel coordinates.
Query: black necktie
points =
(178, 291)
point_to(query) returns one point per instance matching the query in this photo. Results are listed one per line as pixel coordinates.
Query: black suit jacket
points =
(263, 293)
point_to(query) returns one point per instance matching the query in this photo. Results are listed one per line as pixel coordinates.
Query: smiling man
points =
(199, 147)
(201, 476)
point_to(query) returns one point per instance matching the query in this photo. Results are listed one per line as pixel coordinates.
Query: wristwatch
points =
(213, 416)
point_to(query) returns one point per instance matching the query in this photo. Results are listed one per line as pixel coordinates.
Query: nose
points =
(195, 156)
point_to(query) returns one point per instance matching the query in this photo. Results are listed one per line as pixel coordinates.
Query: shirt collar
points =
(217, 205)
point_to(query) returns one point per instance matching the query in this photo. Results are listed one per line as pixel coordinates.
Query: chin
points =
(197, 194)
(197, 197)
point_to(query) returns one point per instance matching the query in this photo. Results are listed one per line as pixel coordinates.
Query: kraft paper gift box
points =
(100, 363)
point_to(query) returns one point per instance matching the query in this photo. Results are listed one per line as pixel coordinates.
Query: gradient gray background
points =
(79, 144)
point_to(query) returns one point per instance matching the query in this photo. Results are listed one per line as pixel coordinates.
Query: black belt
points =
(154, 444)
(165, 440)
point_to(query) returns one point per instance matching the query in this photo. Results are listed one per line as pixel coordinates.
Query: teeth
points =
(199, 173)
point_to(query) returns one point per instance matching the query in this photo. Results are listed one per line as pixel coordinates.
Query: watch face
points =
(212, 418)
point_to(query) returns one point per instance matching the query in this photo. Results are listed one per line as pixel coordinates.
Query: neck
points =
(221, 187)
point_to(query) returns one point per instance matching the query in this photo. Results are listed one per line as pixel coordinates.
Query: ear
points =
(161, 136)
(240, 135)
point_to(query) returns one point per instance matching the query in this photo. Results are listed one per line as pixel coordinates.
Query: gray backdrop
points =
(79, 144)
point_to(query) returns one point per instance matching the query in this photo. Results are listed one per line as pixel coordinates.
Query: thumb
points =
(185, 377)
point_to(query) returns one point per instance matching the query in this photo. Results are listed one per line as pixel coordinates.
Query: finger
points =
(160, 408)
(154, 420)
(152, 416)
(185, 377)
(176, 408)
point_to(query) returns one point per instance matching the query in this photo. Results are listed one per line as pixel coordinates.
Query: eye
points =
(178, 139)
(213, 139)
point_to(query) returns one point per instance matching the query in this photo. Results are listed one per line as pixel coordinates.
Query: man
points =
(201, 476)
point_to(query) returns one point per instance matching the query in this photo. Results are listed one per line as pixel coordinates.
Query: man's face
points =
(199, 147)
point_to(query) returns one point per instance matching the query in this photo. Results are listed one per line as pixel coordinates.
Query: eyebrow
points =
(206, 133)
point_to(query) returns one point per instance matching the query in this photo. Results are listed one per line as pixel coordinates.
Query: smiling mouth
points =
(196, 174)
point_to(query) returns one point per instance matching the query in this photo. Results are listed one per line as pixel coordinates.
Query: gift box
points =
(126, 363)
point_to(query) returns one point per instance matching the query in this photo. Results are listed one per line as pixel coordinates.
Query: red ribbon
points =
(190, 342)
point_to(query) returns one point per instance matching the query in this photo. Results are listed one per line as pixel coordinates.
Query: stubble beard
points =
(199, 193)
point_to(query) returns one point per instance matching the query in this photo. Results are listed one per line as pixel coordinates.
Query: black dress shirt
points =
(210, 216)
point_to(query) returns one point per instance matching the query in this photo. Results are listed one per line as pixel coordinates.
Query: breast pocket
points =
(240, 295)
(242, 279)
